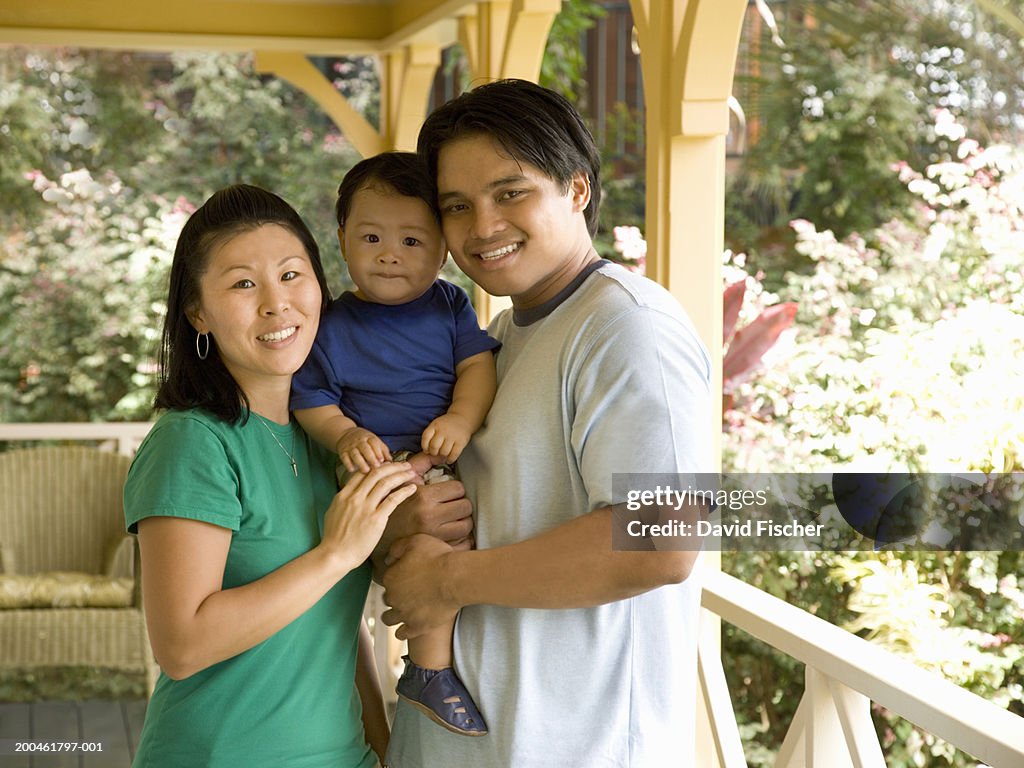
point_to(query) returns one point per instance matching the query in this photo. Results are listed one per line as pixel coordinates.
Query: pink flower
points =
(994, 641)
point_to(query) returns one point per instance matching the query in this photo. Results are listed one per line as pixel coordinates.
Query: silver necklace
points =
(295, 467)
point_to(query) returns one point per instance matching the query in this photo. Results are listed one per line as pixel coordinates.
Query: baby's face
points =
(393, 246)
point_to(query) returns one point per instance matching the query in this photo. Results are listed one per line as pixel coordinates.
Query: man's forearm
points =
(571, 566)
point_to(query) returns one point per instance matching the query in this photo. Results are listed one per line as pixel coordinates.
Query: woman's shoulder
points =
(188, 421)
(191, 434)
(184, 468)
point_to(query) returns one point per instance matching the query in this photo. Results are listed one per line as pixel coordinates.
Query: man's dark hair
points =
(185, 381)
(533, 124)
(404, 173)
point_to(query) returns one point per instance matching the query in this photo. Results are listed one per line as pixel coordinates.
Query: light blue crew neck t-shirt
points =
(611, 378)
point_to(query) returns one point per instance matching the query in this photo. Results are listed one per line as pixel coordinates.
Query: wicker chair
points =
(69, 589)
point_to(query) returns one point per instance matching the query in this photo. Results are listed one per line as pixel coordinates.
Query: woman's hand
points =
(359, 512)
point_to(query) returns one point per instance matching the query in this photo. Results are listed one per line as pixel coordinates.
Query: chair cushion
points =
(61, 589)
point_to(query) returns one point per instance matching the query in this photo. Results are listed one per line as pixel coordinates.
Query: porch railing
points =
(844, 674)
(122, 437)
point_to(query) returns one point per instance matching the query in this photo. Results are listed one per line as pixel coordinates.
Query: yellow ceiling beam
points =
(406, 78)
(708, 44)
(482, 34)
(527, 37)
(318, 28)
(506, 38)
(422, 21)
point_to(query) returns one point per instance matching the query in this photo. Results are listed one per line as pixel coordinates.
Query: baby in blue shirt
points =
(400, 364)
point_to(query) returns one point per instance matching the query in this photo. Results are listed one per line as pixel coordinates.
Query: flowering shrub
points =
(753, 324)
(84, 252)
(631, 247)
(909, 352)
(82, 329)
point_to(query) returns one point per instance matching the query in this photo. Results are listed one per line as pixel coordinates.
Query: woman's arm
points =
(194, 623)
(375, 719)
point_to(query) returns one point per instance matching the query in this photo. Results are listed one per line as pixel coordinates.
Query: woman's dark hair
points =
(185, 381)
(402, 172)
(535, 125)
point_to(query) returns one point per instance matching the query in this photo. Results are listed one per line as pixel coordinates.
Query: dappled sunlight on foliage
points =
(908, 355)
(81, 287)
(910, 346)
(105, 155)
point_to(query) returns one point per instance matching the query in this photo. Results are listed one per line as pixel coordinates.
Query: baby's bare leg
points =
(433, 650)
(429, 682)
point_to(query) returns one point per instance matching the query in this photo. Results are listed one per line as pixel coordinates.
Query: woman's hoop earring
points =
(205, 352)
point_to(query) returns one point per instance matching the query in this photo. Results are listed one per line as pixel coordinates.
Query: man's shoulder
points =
(616, 288)
(629, 316)
(613, 294)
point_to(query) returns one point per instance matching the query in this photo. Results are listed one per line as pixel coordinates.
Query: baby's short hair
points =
(405, 173)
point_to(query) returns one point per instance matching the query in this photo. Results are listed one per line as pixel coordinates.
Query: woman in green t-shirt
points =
(253, 567)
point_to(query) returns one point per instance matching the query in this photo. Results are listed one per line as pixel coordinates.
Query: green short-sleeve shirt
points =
(291, 699)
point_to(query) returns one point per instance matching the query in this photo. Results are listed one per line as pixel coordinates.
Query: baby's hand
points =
(446, 436)
(360, 450)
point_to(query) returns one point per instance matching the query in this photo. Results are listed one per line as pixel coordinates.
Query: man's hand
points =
(414, 586)
(441, 510)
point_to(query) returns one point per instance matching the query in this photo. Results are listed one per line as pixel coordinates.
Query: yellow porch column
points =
(505, 38)
(406, 78)
(687, 53)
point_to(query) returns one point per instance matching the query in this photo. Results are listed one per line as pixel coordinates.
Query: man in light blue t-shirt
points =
(577, 655)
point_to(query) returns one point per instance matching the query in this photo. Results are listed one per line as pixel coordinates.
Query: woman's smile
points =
(260, 302)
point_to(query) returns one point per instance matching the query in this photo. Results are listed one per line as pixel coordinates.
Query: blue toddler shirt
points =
(391, 368)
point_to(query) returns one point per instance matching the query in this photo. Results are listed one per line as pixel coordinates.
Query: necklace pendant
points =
(291, 459)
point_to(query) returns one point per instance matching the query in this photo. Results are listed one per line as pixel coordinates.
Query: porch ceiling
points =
(318, 27)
